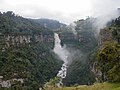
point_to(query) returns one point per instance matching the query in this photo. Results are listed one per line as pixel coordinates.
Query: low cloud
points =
(104, 11)
(65, 11)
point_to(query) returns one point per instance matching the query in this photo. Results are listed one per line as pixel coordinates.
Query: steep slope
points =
(80, 46)
(104, 62)
(26, 57)
(109, 53)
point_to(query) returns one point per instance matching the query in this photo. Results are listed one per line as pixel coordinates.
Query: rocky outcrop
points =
(68, 36)
(8, 83)
(96, 72)
(9, 40)
(105, 36)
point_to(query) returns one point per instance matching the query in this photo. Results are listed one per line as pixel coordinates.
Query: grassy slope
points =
(97, 86)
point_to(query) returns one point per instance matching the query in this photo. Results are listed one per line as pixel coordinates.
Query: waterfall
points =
(63, 53)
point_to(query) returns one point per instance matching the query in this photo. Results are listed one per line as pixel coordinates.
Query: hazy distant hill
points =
(49, 23)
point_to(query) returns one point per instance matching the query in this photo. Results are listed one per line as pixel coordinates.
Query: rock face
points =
(26, 45)
(96, 72)
(8, 83)
(17, 39)
(106, 65)
(105, 36)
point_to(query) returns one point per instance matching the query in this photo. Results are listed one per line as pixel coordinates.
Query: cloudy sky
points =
(63, 10)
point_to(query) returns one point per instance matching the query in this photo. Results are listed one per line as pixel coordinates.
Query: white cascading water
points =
(63, 54)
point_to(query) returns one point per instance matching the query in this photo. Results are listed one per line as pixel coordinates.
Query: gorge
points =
(32, 55)
(63, 55)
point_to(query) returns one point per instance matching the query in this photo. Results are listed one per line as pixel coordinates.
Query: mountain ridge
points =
(49, 23)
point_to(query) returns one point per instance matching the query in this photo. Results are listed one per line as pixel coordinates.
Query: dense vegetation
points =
(11, 23)
(34, 62)
(109, 61)
(81, 45)
(49, 23)
(105, 59)
(109, 55)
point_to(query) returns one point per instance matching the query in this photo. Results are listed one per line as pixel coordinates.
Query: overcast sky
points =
(65, 11)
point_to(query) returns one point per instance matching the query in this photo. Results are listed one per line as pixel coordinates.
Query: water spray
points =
(63, 53)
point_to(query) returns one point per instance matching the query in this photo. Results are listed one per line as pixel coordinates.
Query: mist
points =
(104, 11)
(62, 52)
(71, 27)
(65, 11)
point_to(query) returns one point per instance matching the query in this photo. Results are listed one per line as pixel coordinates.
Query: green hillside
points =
(97, 86)
(25, 53)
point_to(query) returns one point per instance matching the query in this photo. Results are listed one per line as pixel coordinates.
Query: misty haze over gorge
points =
(59, 45)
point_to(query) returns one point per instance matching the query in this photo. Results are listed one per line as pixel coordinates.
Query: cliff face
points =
(80, 45)
(16, 30)
(17, 39)
(106, 35)
(26, 59)
(108, 60)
